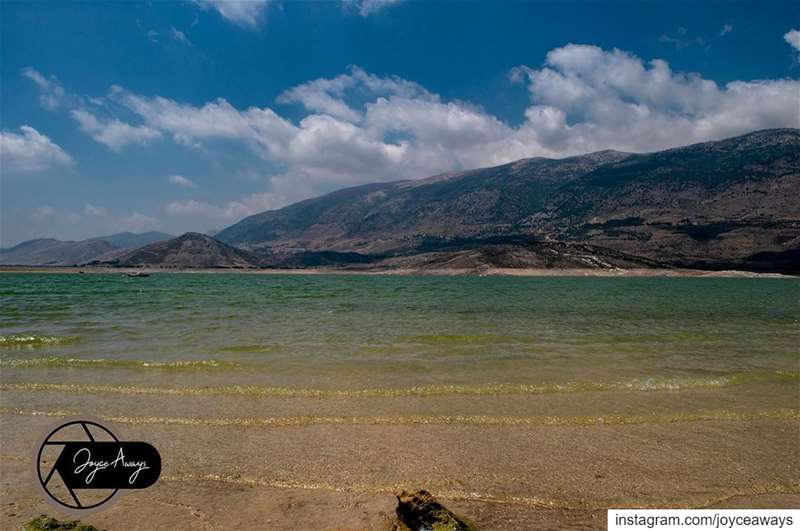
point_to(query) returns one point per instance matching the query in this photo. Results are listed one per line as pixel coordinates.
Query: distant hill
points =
(130, 240)
(191, 250)
(52, 252)
(713, 205)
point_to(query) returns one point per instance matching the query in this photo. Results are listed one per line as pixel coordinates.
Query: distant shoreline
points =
(510, 272)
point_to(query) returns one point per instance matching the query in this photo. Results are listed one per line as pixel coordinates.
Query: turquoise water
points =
(357, 333)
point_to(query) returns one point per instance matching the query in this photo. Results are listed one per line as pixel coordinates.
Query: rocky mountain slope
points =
(716, 204)
(399, 215)
(191, 250)
(728, 204)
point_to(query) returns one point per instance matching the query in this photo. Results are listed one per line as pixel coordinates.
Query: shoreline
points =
(312, 402)
(508, 272)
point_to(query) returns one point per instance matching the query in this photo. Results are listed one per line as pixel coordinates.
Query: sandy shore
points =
(334, 477)
(520, 272)
(226, 465)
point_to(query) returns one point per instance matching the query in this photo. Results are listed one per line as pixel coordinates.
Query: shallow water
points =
(398, 334)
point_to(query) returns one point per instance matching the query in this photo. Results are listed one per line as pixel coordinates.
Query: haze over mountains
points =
(52, 252)
(715, 205)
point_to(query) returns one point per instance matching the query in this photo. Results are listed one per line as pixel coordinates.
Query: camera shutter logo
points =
(81, 464)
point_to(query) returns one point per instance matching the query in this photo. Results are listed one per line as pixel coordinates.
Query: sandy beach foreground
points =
(501, 477)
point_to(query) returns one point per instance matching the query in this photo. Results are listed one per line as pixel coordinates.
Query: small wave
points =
(644, 385)
(465, 420)
(472, 496)
(23, 341)
(55, 362)
(250, 348)
(297, 484)
(465, 339)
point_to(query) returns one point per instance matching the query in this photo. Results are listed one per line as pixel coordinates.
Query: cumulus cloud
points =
(50, 90)
(726, 28)
(359, 127)
(29, 151)
(230, 211)
(180, 180)
(793, 38)
(244, 13)
(262, 129)
(613, 99)
(327, 96)
(113, 133)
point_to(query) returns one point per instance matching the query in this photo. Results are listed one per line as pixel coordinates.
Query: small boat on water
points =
(137, 274)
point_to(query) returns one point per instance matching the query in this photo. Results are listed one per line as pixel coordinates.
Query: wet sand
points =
(502, 476)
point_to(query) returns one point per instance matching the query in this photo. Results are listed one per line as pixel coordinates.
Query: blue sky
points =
(190, 115)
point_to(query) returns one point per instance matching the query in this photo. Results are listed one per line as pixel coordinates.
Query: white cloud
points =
(583, 98)
(245, 13)
(680, 39)
(262, 129)
(180, 180)
(180, 36)
(595, 99)
(48, 215)
(361, 128)
(726, 28)
(137, 222)
(230, 211)
(793, 38)
(366, 8)
(50, 90)
(30, 151)
(328, 96)
(95, 211)
(358, 127)
(42, 213)
(113, 133)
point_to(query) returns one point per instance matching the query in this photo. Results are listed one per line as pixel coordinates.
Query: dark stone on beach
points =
(420, 511)
(46, 523)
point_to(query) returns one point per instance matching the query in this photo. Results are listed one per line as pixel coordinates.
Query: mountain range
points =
(728, 204)
(52, 252)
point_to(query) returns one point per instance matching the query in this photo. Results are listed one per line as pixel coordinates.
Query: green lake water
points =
(398, 334)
